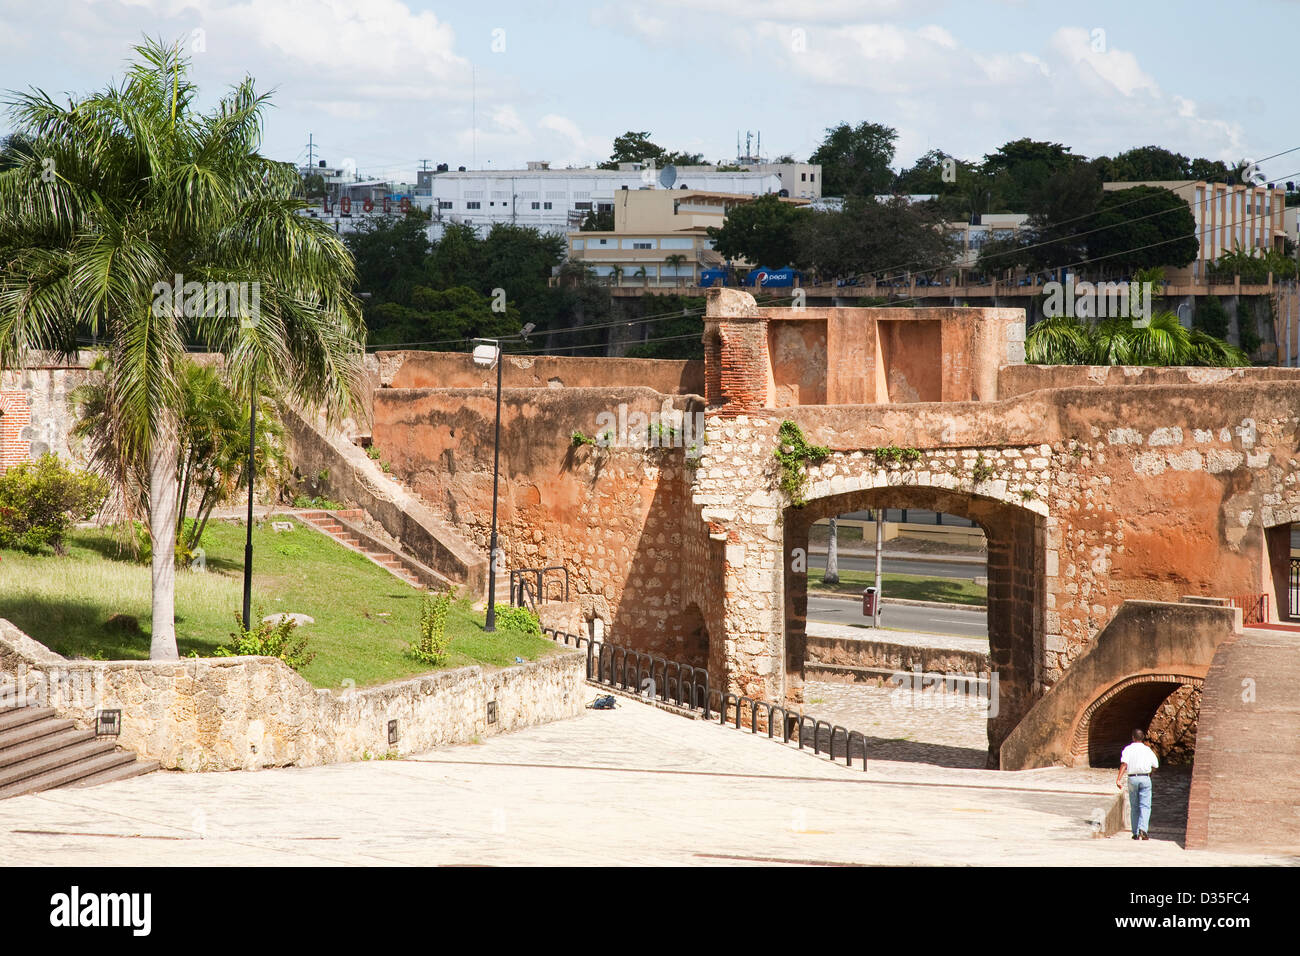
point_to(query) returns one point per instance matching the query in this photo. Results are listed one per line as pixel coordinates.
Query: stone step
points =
(17, 716)
(32, 730)
(53, 760)
(62, 775)
(45, 744)
(121, 772)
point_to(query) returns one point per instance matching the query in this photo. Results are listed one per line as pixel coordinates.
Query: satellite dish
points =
(668, 176)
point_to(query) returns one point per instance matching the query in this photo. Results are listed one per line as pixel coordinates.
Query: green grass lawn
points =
(909, 587)
(365, 617)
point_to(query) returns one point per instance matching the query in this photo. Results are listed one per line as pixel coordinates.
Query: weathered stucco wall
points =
(1018, 379)
(246, 713)
(410, 369)
(351, 476)
(612, 515)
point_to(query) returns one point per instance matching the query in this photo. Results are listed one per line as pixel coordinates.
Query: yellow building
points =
(1228, 217)
(660, 237)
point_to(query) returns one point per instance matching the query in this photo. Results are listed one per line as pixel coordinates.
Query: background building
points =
(1227, 217)
(660, 237)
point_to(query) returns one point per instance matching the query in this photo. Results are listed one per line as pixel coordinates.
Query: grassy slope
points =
(365, 617)
(908, 587)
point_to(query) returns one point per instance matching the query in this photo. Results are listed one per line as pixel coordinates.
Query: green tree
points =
(855, 160)
(213, 455)
(1019, 170)
(598, 220)
(1065, 340)
(1151, 163)
(680, 333)
(1141, 227)
(448, 317)
(633, 147)
(39, 501)
(883, 238)
(148, 188)
(1211, 317)
(761, 232)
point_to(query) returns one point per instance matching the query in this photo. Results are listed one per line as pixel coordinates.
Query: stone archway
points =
(1017, 587)
(1107, 723)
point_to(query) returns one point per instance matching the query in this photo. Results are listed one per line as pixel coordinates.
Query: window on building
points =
(582, 205)
(803, 177)
(538, 205)
(473, 205)
(643, 245)
(812, 177)
(444, 204)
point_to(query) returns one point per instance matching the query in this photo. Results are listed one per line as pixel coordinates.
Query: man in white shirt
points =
(1139, 760)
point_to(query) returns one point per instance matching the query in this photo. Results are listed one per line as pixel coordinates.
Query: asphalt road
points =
(936, 567)
(906, 617)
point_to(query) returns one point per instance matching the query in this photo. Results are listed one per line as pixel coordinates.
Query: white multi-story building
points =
(558, 200)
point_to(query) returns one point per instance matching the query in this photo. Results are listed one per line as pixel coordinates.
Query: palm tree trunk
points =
(163, 504)
(832, 575)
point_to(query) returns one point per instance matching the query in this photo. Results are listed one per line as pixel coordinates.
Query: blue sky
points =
(386, 83)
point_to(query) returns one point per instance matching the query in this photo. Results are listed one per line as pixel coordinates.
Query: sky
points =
(384, 84)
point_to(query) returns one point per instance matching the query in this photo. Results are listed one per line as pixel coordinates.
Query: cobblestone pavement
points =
(631, 786)
(945, 730)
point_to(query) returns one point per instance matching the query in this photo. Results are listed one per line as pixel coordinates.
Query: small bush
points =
(316, 503)
(268, 639)
(519, 619)
(433, 643)
(40, 500)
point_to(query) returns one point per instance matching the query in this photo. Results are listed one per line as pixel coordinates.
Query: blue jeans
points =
(1139, 802)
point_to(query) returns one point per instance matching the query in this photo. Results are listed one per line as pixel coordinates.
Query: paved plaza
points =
(635, 785)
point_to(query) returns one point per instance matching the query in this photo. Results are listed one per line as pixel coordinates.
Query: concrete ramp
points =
(1246, 776)
(1147, 651)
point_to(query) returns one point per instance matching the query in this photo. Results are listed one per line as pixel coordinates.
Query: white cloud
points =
(940, 94)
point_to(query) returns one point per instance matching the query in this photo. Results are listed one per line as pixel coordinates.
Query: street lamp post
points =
(487, 352)
(248, 540)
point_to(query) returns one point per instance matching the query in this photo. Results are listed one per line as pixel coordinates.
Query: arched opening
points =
(1165, 707)
(1015, 619)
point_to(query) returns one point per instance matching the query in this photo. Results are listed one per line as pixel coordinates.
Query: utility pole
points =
(311, 151)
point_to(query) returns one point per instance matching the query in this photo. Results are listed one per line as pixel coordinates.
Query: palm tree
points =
(643, 276)
(1064, 340)
(213, 437)
(832, 575)
(146, 192)
(615, 275)
(676, 260)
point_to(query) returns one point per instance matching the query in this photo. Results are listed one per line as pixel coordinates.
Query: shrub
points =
(794, 454)
(316, 503)
(40, 500)
(432, 645)
(268, 639)
(519, 619)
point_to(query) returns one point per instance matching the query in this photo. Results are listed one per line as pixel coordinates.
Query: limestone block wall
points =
(35, 417)
(246, 713)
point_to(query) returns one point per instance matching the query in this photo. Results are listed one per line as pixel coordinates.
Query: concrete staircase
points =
(39, 750)
(343, 526)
